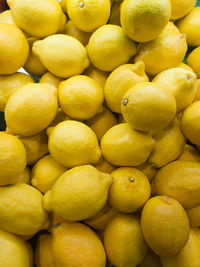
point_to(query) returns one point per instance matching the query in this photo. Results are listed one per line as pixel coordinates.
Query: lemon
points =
(102, 218)
(104, 166)
(130, 190)
(190, 24)
(33, 64)
(197, 95)
(120, 81)
(98, 75)
(62, 55)
(31, 109)
(9, 84)
(115, 13)
(169, 145)
(185, 66)
(44, 251)
(188, 256)
(197, 231)
(189, 154)
(14, 49)
(80, 97)
(193, 61)
(75, 244)
(51, 79)
(148, 106)
(180, 8)
(12, 159)
(5, 17)
(45, 173)
(60, 116)
(179, 180)
(38, 18)
(134, 146)
(102, 122)
(109, 47)
(143, 21)
(190, 122)
(148, 170)
(164, 52)
(127, 247)
(73, 143)
(25, 176)
(150, 260)
(88, 15)
(36, 146)
(21, 209)
(158, 216)
(194, 216)
(72, 30)
(79, 193)
(63, 5)
(14, 251)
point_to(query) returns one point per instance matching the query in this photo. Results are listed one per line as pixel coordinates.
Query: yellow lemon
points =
(6, 17)
(25, 176)
(12, 159)
(51, 79)
(33, 64)
(72, 30)
(73, 143)
(38, 18)
(60, 116)
(36, 146)
(142, 20)
(190, 24)
(188, 256)
(80, 97)
(197, 231)
(88, 15)
(180, 8)
(197, 95)
(75, 244)
(130, 190)
(164, 52)
(63, 5)
(151, 260)
(194, 216)
(62, 55)
(44, 251)
(109, 47)
(134, 146)
(190, 122)
(98, 75)
(102, 122)
(21, 209)
(148, 106)
(124, 242)
(158, 216)
(9, 84)
(31, 109)
(185, 66)
(181, 83)
(193, 61)
(120, 81)
(179, 180)
(148, 170)
(79, 193)
(104, 166)
(14, 49)
(115, 13)
(169, 144)
(14, 251)
(189, 154)
(45, 173)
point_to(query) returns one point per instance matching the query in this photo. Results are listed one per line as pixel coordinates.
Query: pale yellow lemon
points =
(197, 95)
(180, 8)
(104, 166)
(60, 116)
(25, 176)
(193, 61)
(98, 75)
(6, 17)
(148, 170)
(48, 77)
(185, 66)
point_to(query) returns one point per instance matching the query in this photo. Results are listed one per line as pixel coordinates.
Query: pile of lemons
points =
(100, 162)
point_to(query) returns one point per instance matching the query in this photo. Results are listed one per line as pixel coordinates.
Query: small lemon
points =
(109, 47)
(134, 146)
(31, 109)
(189, 154)
(75, 244)
(115, 13)
(36, 146)
(148, 170)
(25, 176)
(158, 216)
(180, 8)
(148, 106)
(181, 83)
(9, 84)
(73, 143)
(130, 190)
(38, 18)
(194, 216)
(45, 173)
(98, 75)
(14, 49)
(60, 117)
(80, 97)
(197, 95)
(12, 159)
(104, 166)
(72, 30)
(62, 55)
(21, 209)
(179, 180)
(88, 15)
(102, 122)
(190, 122)
(193, 61)
(124, 242)
(142, 20)
(78, 193)
(5, 17)
(190, 24)
(51, 79)
(120, 81)
(150, 260)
